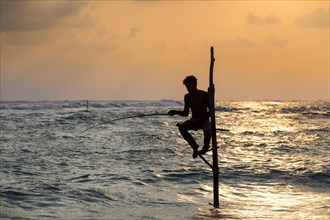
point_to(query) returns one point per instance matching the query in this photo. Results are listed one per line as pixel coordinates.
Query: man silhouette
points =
(198, 102)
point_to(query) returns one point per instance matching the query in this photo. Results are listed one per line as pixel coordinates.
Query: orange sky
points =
(142, 50)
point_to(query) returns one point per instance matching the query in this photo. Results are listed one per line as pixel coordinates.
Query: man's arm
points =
(185, 111)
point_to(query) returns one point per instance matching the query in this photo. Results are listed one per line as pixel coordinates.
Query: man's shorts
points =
(196, 124)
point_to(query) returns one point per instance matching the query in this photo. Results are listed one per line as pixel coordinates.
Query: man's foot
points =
(204, 150)
(195, 153)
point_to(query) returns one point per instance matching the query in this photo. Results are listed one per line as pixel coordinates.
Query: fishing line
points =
(146, 115)
(118, 119)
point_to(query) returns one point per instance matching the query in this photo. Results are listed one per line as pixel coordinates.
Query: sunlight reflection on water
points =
(274, 147)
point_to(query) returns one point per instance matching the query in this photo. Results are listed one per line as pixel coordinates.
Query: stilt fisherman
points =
(196, 101)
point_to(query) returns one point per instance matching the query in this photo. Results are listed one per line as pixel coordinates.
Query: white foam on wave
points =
(58, 105)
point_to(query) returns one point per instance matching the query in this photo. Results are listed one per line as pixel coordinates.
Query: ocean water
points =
(274, 162)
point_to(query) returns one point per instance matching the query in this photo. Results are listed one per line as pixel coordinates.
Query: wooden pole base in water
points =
(215, 166)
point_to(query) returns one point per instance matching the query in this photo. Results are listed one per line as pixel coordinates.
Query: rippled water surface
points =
(274, 162)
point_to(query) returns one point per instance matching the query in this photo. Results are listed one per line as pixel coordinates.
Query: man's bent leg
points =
(183, 128)
(206, 126)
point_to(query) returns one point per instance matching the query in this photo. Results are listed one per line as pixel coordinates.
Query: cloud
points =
(30, 37)
(273, 41)
(319, 18)
(243, 42)
(133, 32)
(254, 19)
(33, 16)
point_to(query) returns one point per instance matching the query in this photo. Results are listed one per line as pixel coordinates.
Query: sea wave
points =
(58, 105)
(317, 109)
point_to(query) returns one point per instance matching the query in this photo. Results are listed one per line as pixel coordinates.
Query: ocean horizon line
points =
(155, 100)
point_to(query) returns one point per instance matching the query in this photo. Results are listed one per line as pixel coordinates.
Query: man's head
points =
(191, 83)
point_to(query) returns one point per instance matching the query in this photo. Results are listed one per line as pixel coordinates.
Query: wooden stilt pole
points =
(215, 169)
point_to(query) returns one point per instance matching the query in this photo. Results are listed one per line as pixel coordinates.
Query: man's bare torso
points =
(198, 102)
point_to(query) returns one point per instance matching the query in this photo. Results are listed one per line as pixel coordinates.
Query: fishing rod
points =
(118, 119)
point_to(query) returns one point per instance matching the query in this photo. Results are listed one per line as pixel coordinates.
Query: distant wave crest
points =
(58, 105)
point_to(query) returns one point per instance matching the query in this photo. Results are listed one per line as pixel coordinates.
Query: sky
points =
(142, 50)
